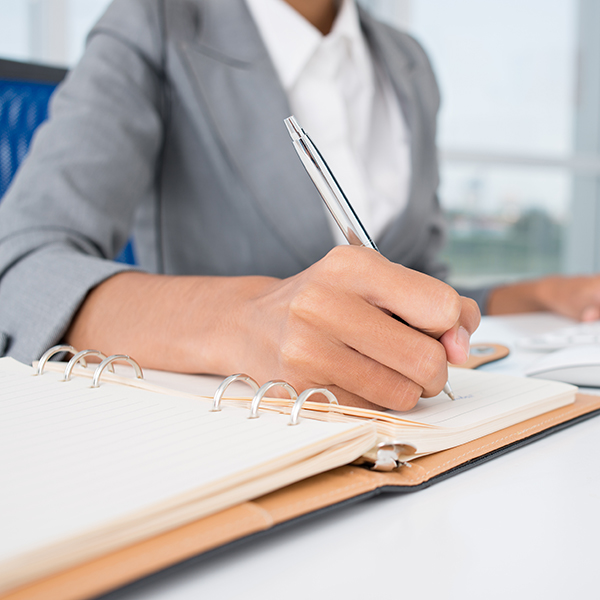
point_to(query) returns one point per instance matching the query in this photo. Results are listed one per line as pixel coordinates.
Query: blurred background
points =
(519, 127)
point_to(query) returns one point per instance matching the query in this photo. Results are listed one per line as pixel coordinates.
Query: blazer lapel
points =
(400, 239)
(239, 88)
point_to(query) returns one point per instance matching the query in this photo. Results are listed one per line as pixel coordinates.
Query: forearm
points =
(574, 297)
(514, 298)
(189, 324)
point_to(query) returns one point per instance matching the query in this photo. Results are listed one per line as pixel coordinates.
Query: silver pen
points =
(333, 196)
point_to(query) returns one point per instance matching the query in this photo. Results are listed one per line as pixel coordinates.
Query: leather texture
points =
(482, 354)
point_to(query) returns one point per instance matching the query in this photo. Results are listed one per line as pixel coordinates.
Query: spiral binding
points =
(55, 350)
(79, 357)
(264, 389)
(259, 391)
(388, 452)
(304, 396)
(388, 455)
(108, 362)
(226, 383)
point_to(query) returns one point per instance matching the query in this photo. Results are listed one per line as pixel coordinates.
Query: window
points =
(47, 31)
(518, 131)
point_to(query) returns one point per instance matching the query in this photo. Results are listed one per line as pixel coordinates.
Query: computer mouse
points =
(579, 365)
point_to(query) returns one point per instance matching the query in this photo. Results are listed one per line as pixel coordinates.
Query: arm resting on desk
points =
(574, 297)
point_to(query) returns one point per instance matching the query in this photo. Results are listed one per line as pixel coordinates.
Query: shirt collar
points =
(291, 40)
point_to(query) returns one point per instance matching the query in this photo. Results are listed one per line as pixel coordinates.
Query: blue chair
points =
(25, 90)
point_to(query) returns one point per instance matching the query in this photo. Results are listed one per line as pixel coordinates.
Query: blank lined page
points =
(73, 458)
(485, 397)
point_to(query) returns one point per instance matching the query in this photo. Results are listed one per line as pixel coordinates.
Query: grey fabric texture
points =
(4, 341)
(170, 130)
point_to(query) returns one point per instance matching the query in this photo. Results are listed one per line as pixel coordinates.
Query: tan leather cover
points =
(482, 354)
(127, 565)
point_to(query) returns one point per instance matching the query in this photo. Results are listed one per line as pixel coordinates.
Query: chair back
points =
(25, 91)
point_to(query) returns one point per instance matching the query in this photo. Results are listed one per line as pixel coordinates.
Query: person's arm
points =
(70, 209)
(574, 297)
(327, 326)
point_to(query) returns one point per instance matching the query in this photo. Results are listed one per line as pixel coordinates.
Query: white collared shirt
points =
(346, 103)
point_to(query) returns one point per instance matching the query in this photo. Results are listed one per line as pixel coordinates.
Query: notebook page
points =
(73, 458)
(481, 397)
(485, 397)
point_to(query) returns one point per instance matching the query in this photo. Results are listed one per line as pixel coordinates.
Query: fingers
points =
(583, 295)
(456, 340)
(355, 379)
(372, 333)
(333, 326)
(573, 297)
(425, 303)
(339, 312)
(590, 313)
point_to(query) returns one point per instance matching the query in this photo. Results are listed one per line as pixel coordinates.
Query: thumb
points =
(457, 340)
(590, 313)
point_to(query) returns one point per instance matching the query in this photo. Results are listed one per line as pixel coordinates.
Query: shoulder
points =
(138, 24)
(404, 41)
(402, 54)
(407, 47)
(132, 15)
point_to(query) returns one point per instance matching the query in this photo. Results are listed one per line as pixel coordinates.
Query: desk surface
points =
(524, 525)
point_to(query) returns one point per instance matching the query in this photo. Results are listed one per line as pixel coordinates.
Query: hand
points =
(574, 297)
(330, 326)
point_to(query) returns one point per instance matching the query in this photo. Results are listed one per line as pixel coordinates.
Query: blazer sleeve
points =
(71, 206)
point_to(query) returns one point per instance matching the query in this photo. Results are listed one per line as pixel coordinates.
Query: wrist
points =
(189, 324)
(220, 321)
(522, 297)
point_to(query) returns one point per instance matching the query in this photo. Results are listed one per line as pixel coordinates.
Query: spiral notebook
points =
(98, 462)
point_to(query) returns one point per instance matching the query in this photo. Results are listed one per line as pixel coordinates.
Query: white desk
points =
(525, 525)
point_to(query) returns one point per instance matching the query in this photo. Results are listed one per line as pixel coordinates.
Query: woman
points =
(171, 127)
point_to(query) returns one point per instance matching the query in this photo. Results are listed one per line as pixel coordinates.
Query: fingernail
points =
(463, 339)
(590, 314)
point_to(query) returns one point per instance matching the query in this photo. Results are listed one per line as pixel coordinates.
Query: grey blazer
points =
(171, 130)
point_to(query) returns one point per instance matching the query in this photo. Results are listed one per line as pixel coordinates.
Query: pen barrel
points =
(332, 194)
